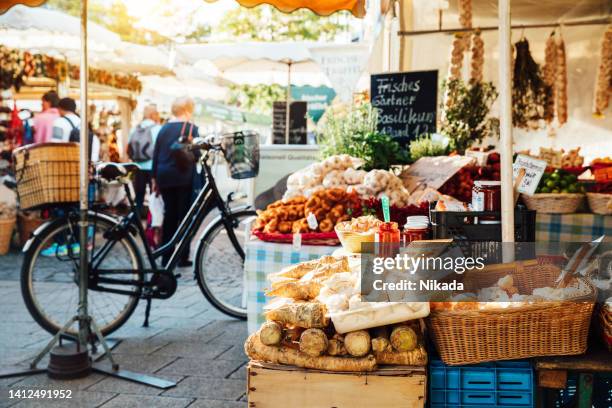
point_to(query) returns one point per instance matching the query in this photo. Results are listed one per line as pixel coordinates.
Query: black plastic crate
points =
(483, 240)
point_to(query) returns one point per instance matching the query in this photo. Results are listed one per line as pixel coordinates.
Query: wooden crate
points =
(273, 386)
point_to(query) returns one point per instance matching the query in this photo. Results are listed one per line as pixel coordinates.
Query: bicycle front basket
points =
(241, 151)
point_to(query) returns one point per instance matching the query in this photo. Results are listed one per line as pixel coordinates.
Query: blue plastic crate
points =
(499, 384)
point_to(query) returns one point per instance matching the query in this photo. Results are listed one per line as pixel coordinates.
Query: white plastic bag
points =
(156, 207)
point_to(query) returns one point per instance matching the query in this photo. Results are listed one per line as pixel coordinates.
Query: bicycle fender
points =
(216, 220)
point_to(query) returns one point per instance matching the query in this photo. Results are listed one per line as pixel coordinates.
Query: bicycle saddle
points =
(116, 171)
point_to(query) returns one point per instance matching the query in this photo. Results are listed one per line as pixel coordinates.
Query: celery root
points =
(306, 315)
(313, 342)
(357, 343)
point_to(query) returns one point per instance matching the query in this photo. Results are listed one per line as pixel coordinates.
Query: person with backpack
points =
(67, 128)
(140, 148)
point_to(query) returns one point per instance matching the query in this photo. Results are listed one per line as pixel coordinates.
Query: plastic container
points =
(415, 229)
(499, 384)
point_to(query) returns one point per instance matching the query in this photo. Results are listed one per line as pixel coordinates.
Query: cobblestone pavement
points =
(188, 341)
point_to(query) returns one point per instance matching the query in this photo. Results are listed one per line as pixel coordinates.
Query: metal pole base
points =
(68, 362)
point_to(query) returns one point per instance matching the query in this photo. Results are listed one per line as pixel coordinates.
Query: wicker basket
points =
(26, 226)
(600, 203)
(7, 225)
(47, 173)
(537, 329)
(552, 203)
(307, 238)
(605, 319)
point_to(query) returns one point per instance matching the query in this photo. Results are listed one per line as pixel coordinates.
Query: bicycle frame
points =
(207, 200)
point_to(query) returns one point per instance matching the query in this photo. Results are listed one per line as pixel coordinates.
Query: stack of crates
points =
(497, 384)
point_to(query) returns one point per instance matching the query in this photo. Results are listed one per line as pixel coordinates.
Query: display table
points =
(572, 227)
(263, 258)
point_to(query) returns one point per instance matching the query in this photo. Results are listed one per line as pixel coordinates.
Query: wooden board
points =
(279, 386)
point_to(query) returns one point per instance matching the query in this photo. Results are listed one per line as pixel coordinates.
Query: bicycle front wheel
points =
(50, 275)
(220, 266)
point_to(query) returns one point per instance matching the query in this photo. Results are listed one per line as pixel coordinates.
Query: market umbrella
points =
(251, 63)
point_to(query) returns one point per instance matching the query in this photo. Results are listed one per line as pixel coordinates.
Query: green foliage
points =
(266, 23)
(465, 119)
(256, 98)
(425, 147)
(355, 133)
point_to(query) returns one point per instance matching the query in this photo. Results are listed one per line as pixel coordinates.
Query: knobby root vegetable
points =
(297, 290)
(403, 338)
(416, 357)
(313, 342)
(381, 344)
(357, 343)
(271, 333)
(336, 346)
(323, 272)
(256, 350)
(306, 315)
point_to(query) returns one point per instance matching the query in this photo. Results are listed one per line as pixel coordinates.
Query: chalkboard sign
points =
(407, 103)
(297, 122)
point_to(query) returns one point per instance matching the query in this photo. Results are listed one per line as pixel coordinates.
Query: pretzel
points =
(271, 226)
(326, 225)
(285, 227)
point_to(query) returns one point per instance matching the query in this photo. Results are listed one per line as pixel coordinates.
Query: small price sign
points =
(527, 173)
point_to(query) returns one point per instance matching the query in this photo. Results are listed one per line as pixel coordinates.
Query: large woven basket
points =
(552, 203)
(600, 203)
(530, 330)
(605, 320)
(26, 225)
(47, 173)
(7, 225)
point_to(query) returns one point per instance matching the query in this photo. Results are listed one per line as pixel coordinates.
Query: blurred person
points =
(43, 121)
(140, 149)
(66, 128)
(173, 173)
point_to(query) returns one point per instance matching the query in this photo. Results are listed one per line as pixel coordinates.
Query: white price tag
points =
(297, 241)
(313, 224)
(527, 173)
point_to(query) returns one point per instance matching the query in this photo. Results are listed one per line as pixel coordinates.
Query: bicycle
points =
(117, 280)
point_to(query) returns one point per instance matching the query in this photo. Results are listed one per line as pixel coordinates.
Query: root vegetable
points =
(256, 350)
(325, 271)
(380, 339)
(336, 346)
(403, 338)
(271, 333)
(299, 270)
(357, 343)
(306, 315)
(313, 342)
(297, 290)
(416, 357)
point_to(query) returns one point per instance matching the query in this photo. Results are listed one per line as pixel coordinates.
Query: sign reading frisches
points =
(407, 103)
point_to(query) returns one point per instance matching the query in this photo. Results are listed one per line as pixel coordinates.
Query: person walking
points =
(141, 145)
(173, 170)
(43, 121)
(66, 128)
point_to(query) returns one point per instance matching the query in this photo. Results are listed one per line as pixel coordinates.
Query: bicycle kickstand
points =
(147, 313)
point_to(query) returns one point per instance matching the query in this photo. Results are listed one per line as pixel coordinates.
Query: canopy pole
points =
(288, 102)
(83, 184)
(505, 120)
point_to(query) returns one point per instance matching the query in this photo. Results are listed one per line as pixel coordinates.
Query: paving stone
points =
(235, 353)
(201, 367)
(207, 403)
(240, 373)
(80, 399)
(41, 381)
(125, 401)
(208, 388)
(140, 363)
(118, 385)
(137, 346)
(199, 349)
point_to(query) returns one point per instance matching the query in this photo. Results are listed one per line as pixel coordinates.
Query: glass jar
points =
(388, 238)
(415, 229)
(486, 196)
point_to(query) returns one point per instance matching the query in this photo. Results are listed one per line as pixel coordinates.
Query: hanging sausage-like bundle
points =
(603, 84)
(549, 75)
(465, 19)
(457, 56)
(561, 82)
(477, 58)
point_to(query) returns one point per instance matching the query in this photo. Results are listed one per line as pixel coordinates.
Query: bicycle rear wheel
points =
(219, 266)
(50, 275)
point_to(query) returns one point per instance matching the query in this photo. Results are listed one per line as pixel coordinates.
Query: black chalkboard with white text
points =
(407, 103)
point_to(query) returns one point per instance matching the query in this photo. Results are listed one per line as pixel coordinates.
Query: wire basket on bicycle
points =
(241, 150)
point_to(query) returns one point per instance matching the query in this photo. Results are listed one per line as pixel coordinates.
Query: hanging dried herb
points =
(530, 94)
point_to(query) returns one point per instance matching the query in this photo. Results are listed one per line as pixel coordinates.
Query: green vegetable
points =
(355, 134)
(425, 147)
